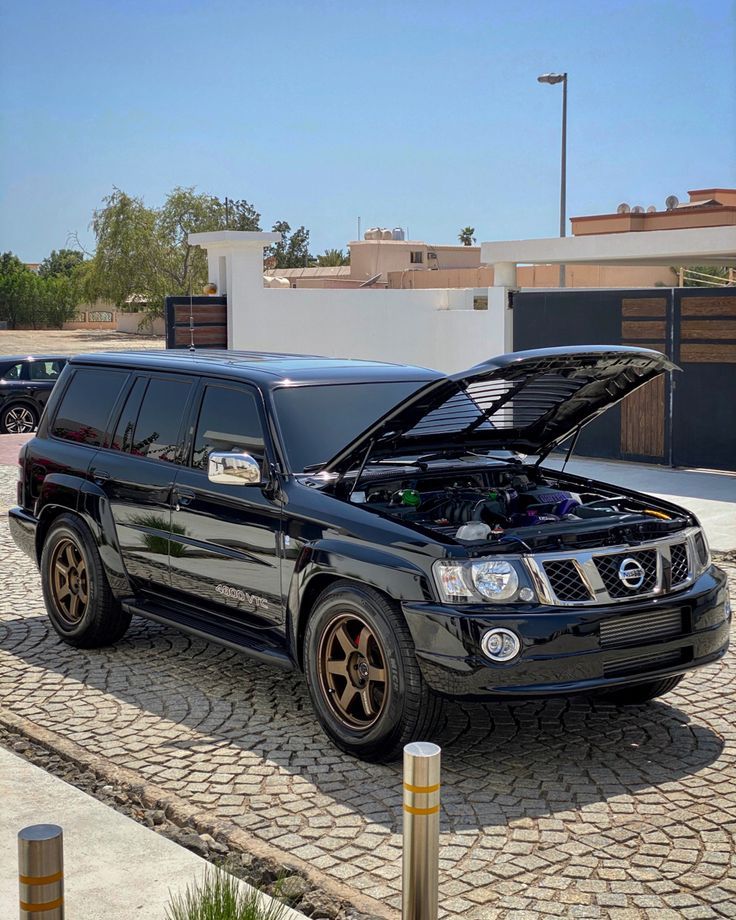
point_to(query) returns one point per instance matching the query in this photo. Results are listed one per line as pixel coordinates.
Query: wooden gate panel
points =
(198, 321)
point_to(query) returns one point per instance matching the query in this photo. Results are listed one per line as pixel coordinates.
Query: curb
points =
(184, 815)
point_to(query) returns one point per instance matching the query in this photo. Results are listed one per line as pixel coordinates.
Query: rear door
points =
(137, 471)
(225, 538)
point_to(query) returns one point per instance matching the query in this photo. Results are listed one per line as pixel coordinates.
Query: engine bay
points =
(519, 503)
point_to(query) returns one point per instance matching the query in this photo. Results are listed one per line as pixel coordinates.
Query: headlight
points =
(700, 552)
(497, 581)
(482, 580)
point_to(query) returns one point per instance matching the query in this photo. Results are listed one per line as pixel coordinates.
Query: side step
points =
(214, 628)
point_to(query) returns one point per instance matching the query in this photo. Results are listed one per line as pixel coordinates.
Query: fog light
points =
(500, 644)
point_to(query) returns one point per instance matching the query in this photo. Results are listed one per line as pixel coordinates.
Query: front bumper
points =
(562, 650)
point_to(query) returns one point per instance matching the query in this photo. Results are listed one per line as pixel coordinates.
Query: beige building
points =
(414, 264)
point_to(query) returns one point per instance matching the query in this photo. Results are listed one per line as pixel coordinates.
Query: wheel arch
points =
(320, 565)
(89, 503)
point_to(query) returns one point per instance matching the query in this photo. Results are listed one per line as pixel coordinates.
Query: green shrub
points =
(219, 897)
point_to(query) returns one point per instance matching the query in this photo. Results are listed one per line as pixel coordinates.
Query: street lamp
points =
(553, 78)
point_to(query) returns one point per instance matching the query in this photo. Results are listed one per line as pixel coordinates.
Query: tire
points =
(78, 599)
(383, 716)
(19, 418)
(638, 694)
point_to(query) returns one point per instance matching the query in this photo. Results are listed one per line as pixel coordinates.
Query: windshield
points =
(317, 421)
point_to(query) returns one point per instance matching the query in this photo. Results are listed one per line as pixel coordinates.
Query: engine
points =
(489, 504)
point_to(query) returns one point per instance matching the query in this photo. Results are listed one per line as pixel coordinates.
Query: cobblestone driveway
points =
(555, 809)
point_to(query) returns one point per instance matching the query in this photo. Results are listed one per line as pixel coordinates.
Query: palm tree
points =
(466, 236)
(333, 257)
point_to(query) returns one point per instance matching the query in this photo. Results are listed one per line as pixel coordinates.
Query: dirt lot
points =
(72, 341)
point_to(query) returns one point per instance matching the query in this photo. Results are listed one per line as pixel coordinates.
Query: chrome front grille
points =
(615, 575)
(610, 567)
(566, 580)
(679, 563)
(641, 629)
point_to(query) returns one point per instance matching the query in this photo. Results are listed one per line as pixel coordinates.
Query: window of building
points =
(45, 370)
(157, 430)
(87, 403)
(416, 257)
(228, 420)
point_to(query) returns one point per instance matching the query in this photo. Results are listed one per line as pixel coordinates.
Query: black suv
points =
(26, 382)
(387, 529)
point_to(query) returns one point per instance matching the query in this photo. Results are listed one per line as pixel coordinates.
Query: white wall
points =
(431, 328)
(435, 328)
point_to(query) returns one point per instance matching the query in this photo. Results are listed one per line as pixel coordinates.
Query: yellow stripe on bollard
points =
(42, 880)
(41, 908)
(427, 789)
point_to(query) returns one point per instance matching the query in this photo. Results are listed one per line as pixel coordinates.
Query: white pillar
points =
(504, 274)
(235, 265)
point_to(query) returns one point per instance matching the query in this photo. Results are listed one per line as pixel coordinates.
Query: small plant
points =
(219, 897)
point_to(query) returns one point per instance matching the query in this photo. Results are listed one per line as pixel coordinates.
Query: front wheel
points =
(363, 676)
(18, 418)
(639, 693)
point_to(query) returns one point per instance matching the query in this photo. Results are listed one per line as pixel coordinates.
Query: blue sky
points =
(423, 114)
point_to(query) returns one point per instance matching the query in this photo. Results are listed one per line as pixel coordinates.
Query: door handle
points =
(182, 497)
(100, 475)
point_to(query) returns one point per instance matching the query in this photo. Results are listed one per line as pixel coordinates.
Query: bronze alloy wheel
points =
(352, 671)
(69, 582)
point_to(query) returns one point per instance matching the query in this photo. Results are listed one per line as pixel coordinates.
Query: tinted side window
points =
(45, 370)
(159, 420)
(228, 420)
(86, 405)
(14, 372)
(123, 437)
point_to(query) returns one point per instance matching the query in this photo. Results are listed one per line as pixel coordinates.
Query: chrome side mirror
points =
(234, 468)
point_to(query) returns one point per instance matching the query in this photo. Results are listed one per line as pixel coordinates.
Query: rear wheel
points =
(18, 418)
(639, 693)
(363, 676)
(79, 602)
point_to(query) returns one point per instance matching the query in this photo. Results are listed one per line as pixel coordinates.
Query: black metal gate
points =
(686, 419)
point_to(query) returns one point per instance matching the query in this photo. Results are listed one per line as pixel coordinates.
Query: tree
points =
(292, 250)
(705, 276)
(27, 299)
(332, 257)
(145, 251)
(466, 236)
(61, 262)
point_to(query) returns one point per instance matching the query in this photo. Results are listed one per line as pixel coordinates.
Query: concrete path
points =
(708, 494)
(114, 867)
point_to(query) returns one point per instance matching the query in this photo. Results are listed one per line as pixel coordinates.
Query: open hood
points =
(527, 402)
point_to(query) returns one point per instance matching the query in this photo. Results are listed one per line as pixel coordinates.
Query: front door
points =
(225, 538)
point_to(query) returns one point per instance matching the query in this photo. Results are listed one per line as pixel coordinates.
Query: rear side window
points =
(14, 372)
(228, 420)
(86, 405)
(45, 370)
(156, 434)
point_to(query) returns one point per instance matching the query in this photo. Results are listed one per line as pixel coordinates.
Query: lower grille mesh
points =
(637, 664)
(641, 629)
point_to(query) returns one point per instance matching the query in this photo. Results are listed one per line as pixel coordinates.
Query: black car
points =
(388, 530)
(26, 382)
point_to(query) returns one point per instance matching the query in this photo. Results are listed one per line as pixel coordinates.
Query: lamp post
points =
(553, 78)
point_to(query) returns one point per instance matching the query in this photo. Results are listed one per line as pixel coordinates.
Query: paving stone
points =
(549, 808)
